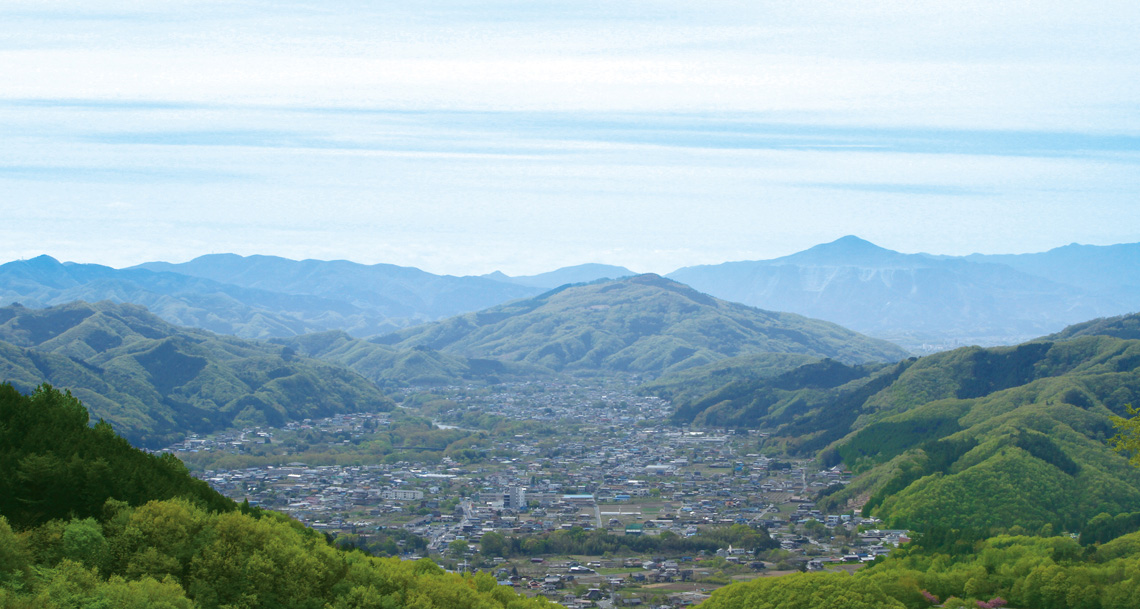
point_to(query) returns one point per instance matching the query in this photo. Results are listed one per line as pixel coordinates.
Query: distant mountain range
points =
(582, 273)
(644, 323)
(920, 301)
(155, 382)
(937, 301)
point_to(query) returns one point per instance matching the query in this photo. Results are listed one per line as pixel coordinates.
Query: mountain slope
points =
(260, 296)
(52, 465)
(1105, 268)
(389, 367)
(155, 382)
(1121, 326)
(907, 298)
(582, 273)
(183, 300)
(645, 323)
(398, 292)
(968, 439)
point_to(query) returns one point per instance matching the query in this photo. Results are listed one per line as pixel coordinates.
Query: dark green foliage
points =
(996, 369)
(155, 382)
(54, 466)
(882, 441)
(825, 374)
(1103, 528)
(577, 541)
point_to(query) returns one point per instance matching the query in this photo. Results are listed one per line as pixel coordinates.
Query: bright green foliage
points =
(1127, 438)
(1043, 573)
(173, 554)
(1037, 572)
(1104, 527)
(14, 559)
(804, 591)
(177, 552)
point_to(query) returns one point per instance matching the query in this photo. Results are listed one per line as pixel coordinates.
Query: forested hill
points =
(644, 323)
(1122, 326)
(421, 366)
(87, 521)
(972, 438)
(155, 382)
(53, 465)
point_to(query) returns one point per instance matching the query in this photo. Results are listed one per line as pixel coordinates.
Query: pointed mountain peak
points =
(42, 261)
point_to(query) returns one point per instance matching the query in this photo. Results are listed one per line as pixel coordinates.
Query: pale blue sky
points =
(464, 137)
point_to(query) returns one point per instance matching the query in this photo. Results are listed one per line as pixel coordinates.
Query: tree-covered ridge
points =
(1121, 326)
(155, 382)
(172, 554)
(982, 439)
(88, 521)
(1013, 571)
(389, 367)
(644, 324)
(261, 297)
(53, 465)
(967, 439)
(807, 404)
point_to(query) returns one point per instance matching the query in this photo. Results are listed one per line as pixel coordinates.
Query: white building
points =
(402, 495)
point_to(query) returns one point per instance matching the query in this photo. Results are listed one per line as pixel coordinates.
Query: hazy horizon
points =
(464, 138)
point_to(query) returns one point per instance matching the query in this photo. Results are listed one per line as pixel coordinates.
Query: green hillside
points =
(1011, 571)
(640, 324)
(967, 439)
(419, 366)
(1121, 326)
(156, 382)
(87, 521)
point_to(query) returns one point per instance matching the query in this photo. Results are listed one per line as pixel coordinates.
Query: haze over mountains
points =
(917, 299)
(922, 302)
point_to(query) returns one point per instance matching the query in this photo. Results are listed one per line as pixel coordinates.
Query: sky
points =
(522, 136)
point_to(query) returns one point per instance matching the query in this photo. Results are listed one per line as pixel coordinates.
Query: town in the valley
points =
(578, 491)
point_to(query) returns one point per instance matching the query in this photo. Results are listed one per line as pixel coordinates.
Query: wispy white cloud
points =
(465, 136)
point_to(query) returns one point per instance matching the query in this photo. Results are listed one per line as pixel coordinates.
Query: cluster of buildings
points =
(614, 464)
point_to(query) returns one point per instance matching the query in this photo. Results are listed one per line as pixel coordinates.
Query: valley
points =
(617, 442)
(539, 462)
